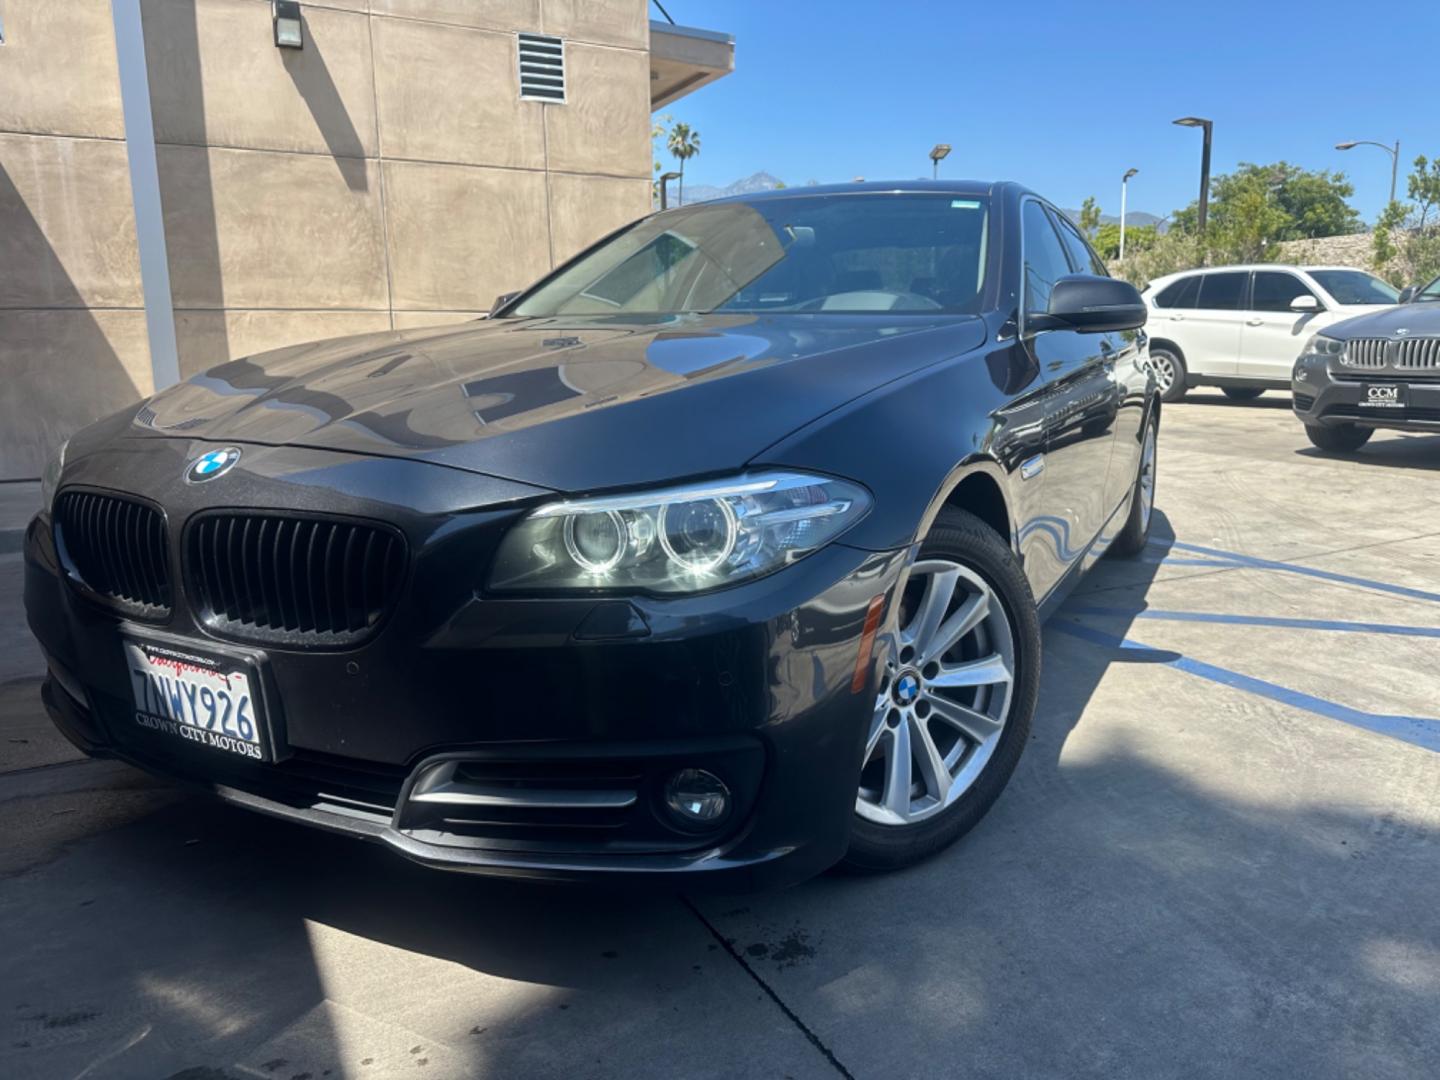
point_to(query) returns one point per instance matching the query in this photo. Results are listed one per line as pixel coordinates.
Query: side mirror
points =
(1091, 305)
(1407, 294)
(1306, 303)
(500, 301)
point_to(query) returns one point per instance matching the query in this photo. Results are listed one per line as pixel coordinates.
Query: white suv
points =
(1241, 328)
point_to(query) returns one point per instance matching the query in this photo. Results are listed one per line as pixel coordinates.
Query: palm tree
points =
(684, 144)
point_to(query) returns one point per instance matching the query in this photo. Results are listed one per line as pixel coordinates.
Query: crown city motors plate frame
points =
(216, 699)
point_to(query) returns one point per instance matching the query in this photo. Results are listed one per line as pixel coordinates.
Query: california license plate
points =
(1383, 396)
(207, 700)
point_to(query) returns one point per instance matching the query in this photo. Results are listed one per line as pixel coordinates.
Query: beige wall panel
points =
(609, 22)
(207, 338)
(412, 320)
(605, 126)
(67, 227)
(253, 229)
(490, 14)
(217, 79)
(58, 72)
(62, 370)
(585, 208)
(461, 235)
(452, 94)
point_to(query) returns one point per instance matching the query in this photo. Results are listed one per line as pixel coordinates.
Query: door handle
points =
(1177, 318)
(1032, 467)
(1254, 322)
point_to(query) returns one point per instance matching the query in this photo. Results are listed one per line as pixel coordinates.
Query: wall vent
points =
(542, 68)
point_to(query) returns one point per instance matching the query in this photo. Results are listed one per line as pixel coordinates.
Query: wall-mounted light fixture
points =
(288, 31)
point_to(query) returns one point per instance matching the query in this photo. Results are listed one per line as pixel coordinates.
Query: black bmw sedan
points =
(718, 555)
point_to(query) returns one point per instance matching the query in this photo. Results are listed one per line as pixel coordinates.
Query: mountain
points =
(760, 181)
(1133, 218)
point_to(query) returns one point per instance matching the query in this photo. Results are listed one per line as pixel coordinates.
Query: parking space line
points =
(1324, 575)
(1259, 620)
(1412, 729)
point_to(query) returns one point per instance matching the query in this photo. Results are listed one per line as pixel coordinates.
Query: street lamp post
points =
(1393, 152)
(665, 179)
(938, 154)
(1208, 125)
(1124, 185)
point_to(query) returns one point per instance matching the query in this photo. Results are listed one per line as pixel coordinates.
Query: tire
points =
(1007, 629)
(1135, 533)
(1243, 393)
(1170, 371)
(1338, 438)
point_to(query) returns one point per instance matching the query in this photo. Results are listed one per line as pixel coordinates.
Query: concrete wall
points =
(387, 175)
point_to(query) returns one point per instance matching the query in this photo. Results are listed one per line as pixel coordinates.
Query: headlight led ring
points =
(585, 562)
(687, 560)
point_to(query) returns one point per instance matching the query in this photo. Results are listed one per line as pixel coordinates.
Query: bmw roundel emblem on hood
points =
(209, 466)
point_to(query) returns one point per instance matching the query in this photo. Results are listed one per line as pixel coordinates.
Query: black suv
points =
(1374, 371)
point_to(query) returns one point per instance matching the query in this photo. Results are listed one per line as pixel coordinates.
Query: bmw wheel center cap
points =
(210, 465)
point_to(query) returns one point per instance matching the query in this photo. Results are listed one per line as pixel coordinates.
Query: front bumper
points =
(753, 683)
(1323, 396)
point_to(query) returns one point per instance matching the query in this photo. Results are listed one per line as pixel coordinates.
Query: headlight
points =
(1320, 345)
(681, 539)
(50, 479)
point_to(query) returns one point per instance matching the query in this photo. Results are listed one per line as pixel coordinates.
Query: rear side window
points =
(1222, 292)
(1045, 261)
(1082, 258)
(1275, 290)
(1179, 294)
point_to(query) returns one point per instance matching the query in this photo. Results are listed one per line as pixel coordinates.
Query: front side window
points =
(856, 254)
(1356, 287)
(1430, 293)
(1222, 292)
(1044, 257)
(1179, 294)
(1275, 290)
(1082, 257)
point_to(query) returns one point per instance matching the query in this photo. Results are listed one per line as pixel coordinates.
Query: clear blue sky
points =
(1064, 97)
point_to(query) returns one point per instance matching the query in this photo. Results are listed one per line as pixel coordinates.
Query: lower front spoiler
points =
(1323, 400)
(756, 857)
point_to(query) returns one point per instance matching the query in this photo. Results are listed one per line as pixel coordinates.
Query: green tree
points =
(1257, 206)
(659, 134)
(1089, 216)
(1406, 241)
(684, 143)
(1107, 239)
(1424, 187)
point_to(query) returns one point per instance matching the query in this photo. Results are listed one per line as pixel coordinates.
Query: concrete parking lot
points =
(1220, 856)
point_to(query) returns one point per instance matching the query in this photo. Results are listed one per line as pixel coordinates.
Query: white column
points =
(145, 192)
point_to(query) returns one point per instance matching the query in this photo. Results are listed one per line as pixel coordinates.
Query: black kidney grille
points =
(300, 580)
(118, 548)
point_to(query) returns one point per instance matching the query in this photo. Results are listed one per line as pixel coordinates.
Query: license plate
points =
(207, 700)
(1383, 396)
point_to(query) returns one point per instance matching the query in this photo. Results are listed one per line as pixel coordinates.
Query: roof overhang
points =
(683, 59)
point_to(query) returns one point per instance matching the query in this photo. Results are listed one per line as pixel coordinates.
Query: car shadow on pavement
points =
(1276, 400)
(173, 936)
(1164, 890)
(1392, 449)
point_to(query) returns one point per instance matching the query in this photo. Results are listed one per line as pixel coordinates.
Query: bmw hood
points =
(1412, 320)
(571, 405)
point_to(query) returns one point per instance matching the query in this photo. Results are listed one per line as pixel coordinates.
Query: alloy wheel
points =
(1147, 478)
(1164, 368)
(944, 698)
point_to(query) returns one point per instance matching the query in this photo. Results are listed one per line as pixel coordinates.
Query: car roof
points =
(875, 187)
(1308, 269)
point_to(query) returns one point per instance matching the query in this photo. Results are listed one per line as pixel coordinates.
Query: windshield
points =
(817, 253)
(1356, 287)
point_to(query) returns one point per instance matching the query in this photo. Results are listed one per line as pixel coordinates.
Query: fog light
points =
(696, 798)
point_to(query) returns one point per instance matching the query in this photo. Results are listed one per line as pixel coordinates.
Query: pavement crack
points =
(790, 1013)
